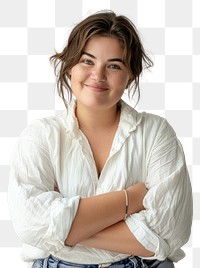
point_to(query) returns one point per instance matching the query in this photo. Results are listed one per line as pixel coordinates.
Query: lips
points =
(96, 87)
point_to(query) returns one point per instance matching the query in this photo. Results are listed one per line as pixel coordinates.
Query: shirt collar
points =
(129, 119)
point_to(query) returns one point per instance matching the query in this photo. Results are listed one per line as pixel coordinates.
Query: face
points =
(100, 77)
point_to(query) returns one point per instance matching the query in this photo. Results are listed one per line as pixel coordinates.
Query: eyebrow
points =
(92, 56)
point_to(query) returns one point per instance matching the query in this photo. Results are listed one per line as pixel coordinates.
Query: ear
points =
(69, 74)
(131, 79)
(128, 83)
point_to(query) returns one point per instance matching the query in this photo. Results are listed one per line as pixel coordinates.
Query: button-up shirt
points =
(54, 153)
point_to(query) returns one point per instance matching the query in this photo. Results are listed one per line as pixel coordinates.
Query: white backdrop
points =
(31, 30)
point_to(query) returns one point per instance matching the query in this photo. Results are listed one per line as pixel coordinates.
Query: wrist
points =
(126, 204)
(136, 194)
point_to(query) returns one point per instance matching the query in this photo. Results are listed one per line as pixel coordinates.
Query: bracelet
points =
(126, 209)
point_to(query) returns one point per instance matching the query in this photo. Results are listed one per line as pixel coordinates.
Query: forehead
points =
(106, 44)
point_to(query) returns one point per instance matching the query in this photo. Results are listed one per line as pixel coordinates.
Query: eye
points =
(87, 62)
(114, 67)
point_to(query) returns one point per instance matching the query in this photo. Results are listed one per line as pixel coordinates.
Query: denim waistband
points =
(119, 264)
(130, 262)
(52, 262)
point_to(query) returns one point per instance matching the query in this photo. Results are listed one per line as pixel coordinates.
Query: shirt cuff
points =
(150, 240)
(62, 215)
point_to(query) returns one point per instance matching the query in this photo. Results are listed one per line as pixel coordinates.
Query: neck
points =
(95, 120)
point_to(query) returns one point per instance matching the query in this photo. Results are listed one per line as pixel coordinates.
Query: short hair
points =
(103, 23)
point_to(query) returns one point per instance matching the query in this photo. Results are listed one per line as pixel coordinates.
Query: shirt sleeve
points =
(41, 216)
(165, 224)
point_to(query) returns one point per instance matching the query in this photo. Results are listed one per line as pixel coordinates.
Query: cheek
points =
(77, 71)
(121, 81)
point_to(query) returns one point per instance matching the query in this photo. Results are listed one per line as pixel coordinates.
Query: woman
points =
(100, 185)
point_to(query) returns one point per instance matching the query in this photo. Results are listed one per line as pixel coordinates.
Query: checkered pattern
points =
(30, 31)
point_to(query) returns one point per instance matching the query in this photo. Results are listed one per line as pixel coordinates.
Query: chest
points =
(100, 145)
(120, 162)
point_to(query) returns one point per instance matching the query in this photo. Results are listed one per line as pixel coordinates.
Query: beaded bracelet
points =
(126, 209)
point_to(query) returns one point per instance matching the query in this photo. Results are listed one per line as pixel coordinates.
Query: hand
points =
(136, 194)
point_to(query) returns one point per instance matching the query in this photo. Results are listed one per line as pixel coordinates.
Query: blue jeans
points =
(131, 262)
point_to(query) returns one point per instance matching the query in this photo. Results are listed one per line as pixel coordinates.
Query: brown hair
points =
(104, 23)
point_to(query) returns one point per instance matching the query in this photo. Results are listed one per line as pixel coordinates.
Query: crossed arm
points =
(99, 222)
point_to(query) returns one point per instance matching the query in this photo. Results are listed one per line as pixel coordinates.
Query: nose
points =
(98, 74)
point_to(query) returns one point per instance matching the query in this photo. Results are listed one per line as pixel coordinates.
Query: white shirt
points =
(54, 152)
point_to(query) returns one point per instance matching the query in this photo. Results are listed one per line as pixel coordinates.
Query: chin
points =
(96, 105)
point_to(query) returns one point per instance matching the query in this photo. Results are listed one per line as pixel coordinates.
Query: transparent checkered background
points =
(30, 31)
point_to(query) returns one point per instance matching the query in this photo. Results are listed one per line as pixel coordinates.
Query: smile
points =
(96, 88)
